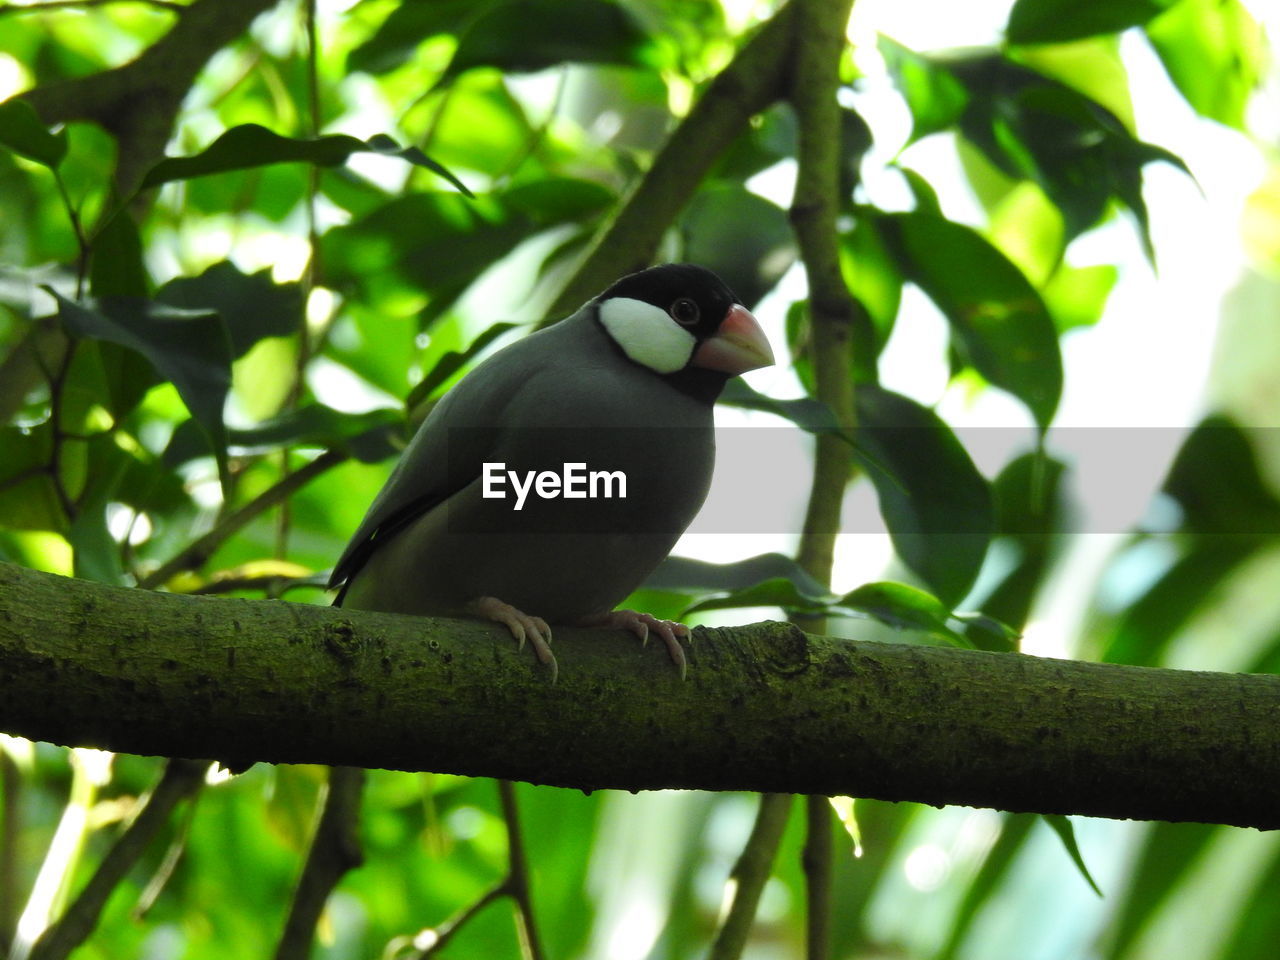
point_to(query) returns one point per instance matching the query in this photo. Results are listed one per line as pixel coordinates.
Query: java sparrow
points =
(624, 385)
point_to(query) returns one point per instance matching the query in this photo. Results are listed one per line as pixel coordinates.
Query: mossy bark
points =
(766, 707)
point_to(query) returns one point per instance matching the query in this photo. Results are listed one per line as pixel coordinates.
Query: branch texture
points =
(766, 707)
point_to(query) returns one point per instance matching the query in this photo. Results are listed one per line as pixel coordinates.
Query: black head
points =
(684, 323)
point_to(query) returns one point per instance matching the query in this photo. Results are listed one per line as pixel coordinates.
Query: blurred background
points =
(1108, 174)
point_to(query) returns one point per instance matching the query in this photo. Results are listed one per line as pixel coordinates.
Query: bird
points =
(624, 386)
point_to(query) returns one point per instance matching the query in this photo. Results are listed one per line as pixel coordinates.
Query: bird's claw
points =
(642, 624)
(522, 626)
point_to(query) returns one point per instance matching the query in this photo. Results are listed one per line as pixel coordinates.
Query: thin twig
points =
(816, 859)
(180, 778)
(821, 25)
(441, 935)
(57, 381)
(536, 136)
(77, 227)
(305, 347)
(271, 585)
(10, 828)
(518, 873)
(196, 553)
(749, 875)
(24, 366)
(514, 885)
(335, 849)
(160, 879)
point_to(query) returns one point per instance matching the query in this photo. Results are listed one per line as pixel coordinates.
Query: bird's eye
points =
(684, 312)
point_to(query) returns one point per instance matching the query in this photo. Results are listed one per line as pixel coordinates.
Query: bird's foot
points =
(642, 624)
(522, 626)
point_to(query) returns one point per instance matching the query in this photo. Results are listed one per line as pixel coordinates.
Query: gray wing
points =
(440, 460)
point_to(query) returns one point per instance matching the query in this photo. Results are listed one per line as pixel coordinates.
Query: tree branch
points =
(517, 883)
(816, 860)
(10, 830)
(820, 39)
(180, 779)
(749, 875)
(138, 101)
(334, 850)
(766, 707)
(194, 555)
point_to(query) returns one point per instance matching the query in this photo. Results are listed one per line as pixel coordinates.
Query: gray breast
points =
(559, 557)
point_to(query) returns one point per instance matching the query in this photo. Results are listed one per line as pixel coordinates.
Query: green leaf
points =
(1217, 480)
(904, 607)
(1036, 128)
(251, 145)
(1015, 828)
(1150, 625)
(1093, 66)
(127, 376)
(418, 253)
(410, 23)
(1067, 834)
(985, 632)
(686, 574)
(96, 555)
(1027, 227)
(1215, 53)
(189, 348)
(251, 305)
(778, 592)
(483, 126)
(116, 267)
(23, 133)
(366, 436)
(798, 335)
(934, 501)
(855, 142)
(452, 362)
(743, 237)
(1030, 514)
(812, 416)
(1057, 21)
(926, 198)
(935, 97)
(871, 273)
(1169, 853)
(768, 139)
(28, 496)
(1002, 325)
(523, 36)
(1257, 924)
(1076, 296)
(549, 201)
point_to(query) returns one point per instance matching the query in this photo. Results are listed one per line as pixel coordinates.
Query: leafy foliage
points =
(333, 236)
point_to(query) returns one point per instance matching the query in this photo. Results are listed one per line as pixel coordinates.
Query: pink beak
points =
(738, 346)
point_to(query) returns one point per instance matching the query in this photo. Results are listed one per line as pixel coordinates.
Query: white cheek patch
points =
(647, 335)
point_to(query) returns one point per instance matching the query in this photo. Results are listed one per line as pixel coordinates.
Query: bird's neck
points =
(700, 384)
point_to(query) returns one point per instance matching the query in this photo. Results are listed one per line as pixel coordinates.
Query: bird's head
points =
(683, 321)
